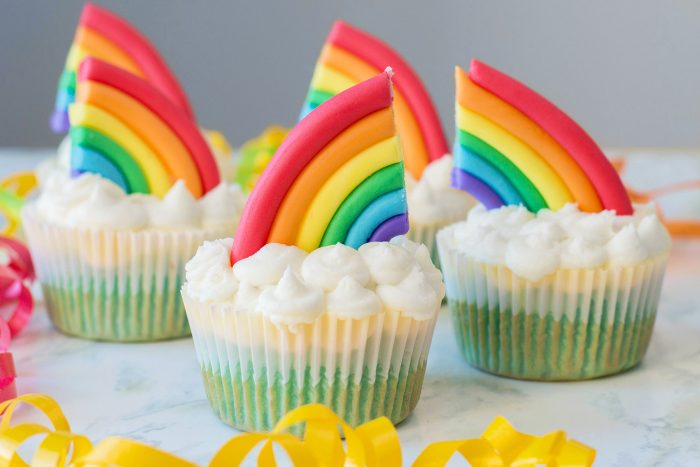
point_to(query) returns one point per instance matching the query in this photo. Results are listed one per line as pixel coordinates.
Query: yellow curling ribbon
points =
(374, 444)
(13, 190)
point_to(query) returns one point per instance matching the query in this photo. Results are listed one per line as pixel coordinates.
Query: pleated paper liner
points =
(255, 371)
(572, 325)
(114, 285)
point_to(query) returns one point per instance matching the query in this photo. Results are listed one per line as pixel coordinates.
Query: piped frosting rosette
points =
(110, 236)
(312, 302)
(556, 276)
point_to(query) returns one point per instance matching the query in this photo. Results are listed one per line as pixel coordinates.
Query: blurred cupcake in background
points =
(133, 192)
(434, 203)
(556, 276)
(256, 154)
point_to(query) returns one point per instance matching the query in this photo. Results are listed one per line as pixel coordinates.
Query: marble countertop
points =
(649, 416)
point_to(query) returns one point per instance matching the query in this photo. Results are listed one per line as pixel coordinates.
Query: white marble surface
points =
(649, 416)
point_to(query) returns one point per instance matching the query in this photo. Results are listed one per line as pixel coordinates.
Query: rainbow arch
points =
(515, 147)
(337, 177)
(125, 129)
(104, 35)
(351, 56)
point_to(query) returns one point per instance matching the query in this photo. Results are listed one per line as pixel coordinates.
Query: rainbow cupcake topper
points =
(351, 56)
(337, 177)
(513, 146)
(123, 128)
(106, 36)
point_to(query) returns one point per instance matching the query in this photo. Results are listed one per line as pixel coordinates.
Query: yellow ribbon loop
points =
(502, 446)
(374, 444)
(13, 190)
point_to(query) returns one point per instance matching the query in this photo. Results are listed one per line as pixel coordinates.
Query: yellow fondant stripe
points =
(340, 185)
(330, 80)
(550, 185)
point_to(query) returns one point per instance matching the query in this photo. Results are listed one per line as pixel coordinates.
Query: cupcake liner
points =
(255, 371)
(574, 324)
(113, 285)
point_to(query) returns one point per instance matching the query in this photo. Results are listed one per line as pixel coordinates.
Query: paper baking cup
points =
(113, 285)
(255, 371)
(425, 234)
(574, 324)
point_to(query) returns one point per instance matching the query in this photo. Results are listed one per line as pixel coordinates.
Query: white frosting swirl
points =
(92, 201)
(534, 246)
(209, 275)
(432, 200)
(351, 300)
(388, 263)
(291, 301)
(285, 283)
(267, 265)
(326, 266)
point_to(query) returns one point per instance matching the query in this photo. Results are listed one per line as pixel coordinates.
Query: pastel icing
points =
(351, 56)
(326, 183)
(513, 147)
(104, 35)
(125, 129)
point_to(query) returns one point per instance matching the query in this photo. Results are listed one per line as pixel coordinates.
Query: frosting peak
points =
(291, 301)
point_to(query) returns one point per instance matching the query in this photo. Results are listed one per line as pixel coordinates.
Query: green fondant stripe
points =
(529, 193)
(93, 139)
(383, 181)
(67, 81)
(317, 97)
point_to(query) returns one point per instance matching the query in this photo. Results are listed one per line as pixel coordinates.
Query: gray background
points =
(629, 70)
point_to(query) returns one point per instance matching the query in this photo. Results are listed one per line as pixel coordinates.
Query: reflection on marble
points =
(649, 416)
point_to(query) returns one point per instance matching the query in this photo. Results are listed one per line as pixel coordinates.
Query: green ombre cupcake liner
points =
(572, 325)
(256, 371)
(113, 285)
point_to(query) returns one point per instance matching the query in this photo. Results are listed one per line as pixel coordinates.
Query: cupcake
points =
(255, 154)
(111, 234)
(433, 203)
(111, 264)
(311, 303)
(556, 276)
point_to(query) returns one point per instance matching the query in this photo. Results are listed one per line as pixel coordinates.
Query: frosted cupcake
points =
(312, 302)
(433, 203)
(556, 295)
(559, 279)
(110, 264)
(346, 328)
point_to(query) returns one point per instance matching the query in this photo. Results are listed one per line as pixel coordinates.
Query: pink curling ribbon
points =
(16, 273)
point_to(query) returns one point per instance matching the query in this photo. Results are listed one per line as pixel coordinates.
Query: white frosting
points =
(285, 284)
(211, 274)
(291, 301)
(432, 200)
(92, 201)
(534, 246)
(267, 265)
(326, 266)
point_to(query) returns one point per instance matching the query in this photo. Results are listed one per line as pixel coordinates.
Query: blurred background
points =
(627, 70)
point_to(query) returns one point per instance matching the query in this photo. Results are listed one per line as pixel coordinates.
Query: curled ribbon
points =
(677, 227)
(16, 272)
(13, 190)
(375, 443)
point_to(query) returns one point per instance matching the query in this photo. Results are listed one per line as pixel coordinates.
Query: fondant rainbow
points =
(515, 147)
(337, 177)
(351, 56)
(104, 35)
(125, 129)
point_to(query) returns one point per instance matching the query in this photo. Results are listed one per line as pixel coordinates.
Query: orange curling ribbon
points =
(13, 190)
(677, 227)
(375, 443)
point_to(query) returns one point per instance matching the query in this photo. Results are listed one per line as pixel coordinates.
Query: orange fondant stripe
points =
(481, 101)
(415, 152)
(142, 121)
(365, 133)
(98, 46)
